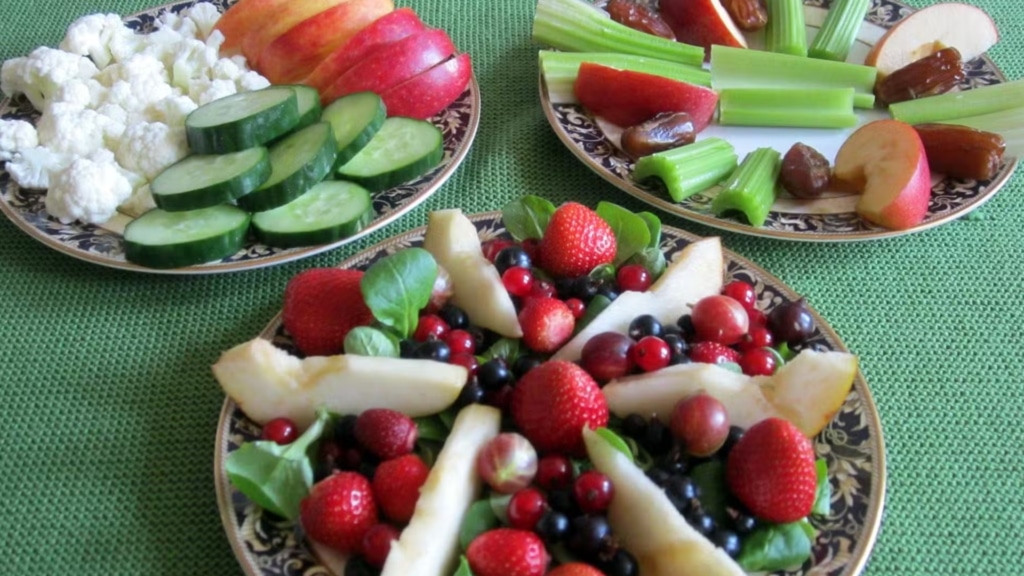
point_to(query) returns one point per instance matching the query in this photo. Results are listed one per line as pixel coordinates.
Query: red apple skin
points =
(389, 28)
(626, 98)
(701, 23)
(237, 20)
(430, 92)
(294, 54)
(274, 18)
(392, 64)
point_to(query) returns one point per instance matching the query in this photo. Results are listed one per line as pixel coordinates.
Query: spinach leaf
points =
(506, 348)
(631, 231)
(823, 496)
(431, 428)
(463, 569)
(479, 519)
(609, 436)
(710, 478)
(654, 227)
(775, 547)
(499, 505)
(596, 305)
(651, 258)
(368, 341)
(527, 217)
(604, 273)
(398, 286)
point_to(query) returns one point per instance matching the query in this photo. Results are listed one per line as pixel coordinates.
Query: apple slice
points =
(695, 273)
(477, 288)
(626, 98)
(236, 22)
(886, 161)
(429, 544)
(267, 382)
(701, 23)
(644, 520)
(274, 19)
(964, 27)
(808, 391)
(429, 92)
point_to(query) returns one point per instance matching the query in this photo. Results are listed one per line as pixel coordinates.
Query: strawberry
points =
(385, 433)
(553, 402)
(507, 552)
(575, 242)
(771, 471)
(713, 353)
(575, 569)
(377, 544)
(321, 305)
(396, 486)
(547, 323)
(338, 511)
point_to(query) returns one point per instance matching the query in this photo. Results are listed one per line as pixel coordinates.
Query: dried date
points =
(639, 17)
(749, 15)
(805, 173)
(961, 152)
(935, 74)
(664, 131)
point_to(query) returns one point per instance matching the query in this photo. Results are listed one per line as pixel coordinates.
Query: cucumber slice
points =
(204, 180)
(297, 162)
(330, 211)
(308, 101)
(161, 239)
(403, 149)
(242, 121)
(356, 118)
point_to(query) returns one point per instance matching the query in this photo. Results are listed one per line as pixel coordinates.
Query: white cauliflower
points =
(136, 83)
(84, 93)
(204, 91)
(179, 23)
(94, 36)
(33, 167)
(88, 191)
(227, 69)
(192, 61)
(149, 147)
(15, 136)
(41, 73)
(205, 15)
(250, 81)
(172, 111)
(162, 44)
(73, 130)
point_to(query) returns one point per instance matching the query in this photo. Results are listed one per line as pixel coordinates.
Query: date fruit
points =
(664, 131)
(961, 152)
(639, 17)
(805, 173)
(930, 76)
(749, 15)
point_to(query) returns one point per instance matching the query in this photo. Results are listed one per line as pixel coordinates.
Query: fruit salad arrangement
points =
(560, 400)
(657, 74)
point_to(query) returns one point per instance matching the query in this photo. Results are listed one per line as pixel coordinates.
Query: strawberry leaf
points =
(398, 286)
(631, 231)
(527, 217)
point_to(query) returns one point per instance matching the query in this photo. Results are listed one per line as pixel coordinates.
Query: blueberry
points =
(744, 523)
(658, 438)
(659, 476)
(511, 257)
(682, 488)
(685, 324)
(675, 341)
(644, 325)
(703, 523)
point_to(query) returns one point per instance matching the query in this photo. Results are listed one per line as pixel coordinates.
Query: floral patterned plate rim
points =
(852, 443)
(829, 219)
(103, 245)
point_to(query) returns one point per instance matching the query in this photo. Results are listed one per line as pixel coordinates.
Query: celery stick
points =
(839, 30)
(561, 68)
(742, 68)
(1007, 123)
(578, 26)
(795, 107)
(983, 100)
(751, 188)
(786, 32)
(689, 169)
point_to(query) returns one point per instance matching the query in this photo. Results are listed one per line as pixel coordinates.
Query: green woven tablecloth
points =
(108, 408)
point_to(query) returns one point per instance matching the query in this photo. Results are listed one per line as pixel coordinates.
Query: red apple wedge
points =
(276, 17)
(885, 161)
(429, 92)
(294, 54)
(701, 23)
(626, 98)
(392, 64)
(389, 28)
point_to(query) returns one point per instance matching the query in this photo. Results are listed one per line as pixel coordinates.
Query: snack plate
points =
(828, 219)
(104, 245)
(852, 444)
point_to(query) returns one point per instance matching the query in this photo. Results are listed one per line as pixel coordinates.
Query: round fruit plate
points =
(104, 244)
(830, 218)
(851, 443)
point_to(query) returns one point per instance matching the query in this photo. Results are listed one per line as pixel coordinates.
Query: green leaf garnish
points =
(651, 258)
(654, 227)
(463, 569)
(499, 505)
(369, 341)
(527, 217)
(609, 436)
(710, 478)
(823, 494)
(431, 428)
(479, 519)
(505, 348)
(631, 231)
(596, 306)
(398, 286)
(775, 547)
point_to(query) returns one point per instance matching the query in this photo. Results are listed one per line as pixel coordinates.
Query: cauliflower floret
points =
(149, 147)
(227, 69)
(162, 44)
(205, 15)
(193, 60)
(115, 113)
(15, 136)
(87, 190)
(172, 111)
(73, 130)
(136, 83)
(85, 93)
(179, 23)
(39, 74)
(33, 167)
(204, 91)
(251, 81)
(94, 35)
(137, 67)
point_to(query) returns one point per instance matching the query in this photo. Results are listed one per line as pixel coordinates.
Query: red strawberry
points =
(771, 471)
(575, 242)
(547, 324)
(507, 552)
(338, 511)
(575, 569)
(385, 433)
(321, 305)
(713, 353)
(377, 544)
(553, 402)
(396, 486)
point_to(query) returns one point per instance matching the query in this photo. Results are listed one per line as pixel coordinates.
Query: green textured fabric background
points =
(108, 409)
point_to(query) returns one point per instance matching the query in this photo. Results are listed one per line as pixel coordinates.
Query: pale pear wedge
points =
(696, 272)
(808, 391)
(644, 520)
(453, 241)
(267, 382)
(429, 545)
(333, 560)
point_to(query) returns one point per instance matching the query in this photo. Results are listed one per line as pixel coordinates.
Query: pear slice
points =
(695, 273)
(267, 382)
(646, 523)
(429, 545)
(453, 241)
(808, 391)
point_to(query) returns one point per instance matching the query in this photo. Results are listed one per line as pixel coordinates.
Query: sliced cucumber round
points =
(162, 239)
(330, 211)
(204, 180)
(297, 162)
(308, 101)
(402, 150)
(242, 120)
(355, 118)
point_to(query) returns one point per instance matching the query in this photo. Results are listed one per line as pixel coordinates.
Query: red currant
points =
(542, 289)
(518, 281)
(531, 245)
(466, 360)
(460, 341)
(758, 337)
(553, 472)
(593, 492)
(280, 430)
(576, 306)
(377, 543)
(756, 317)
(492, 247)
(633, 277)
(525, 508)
(741, 292)
(651, 353)
(430, 325)
(758, 362)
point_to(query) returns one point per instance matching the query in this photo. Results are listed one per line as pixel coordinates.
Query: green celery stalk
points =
(578, 26)
(794, 107)
(751, 187)
(689, 169)
(1007, 123)
(786, 32)
(839, 30)
(742, 68)
(561, 68)
(975, 102)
